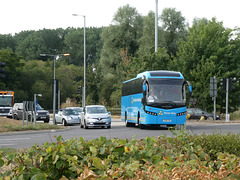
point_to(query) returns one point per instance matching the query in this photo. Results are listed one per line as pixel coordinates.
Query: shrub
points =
(101, 158)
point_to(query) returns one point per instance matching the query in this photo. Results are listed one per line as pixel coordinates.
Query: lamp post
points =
(35, 107)
(156, 27)
(54, 81)
(84, 81)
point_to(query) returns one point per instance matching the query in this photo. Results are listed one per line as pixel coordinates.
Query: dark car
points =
(41, 114)
(197, 113)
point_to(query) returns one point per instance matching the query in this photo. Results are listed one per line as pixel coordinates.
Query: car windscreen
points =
(38, 107)
(96, 110)
(69, 112)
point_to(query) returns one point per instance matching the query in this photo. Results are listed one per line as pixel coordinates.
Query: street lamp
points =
(156, 27)
(84, 82)
(35, 108)
(54, 81)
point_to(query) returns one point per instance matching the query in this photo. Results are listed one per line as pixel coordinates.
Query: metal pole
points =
(214, 107)
(215, 94)
(156, 27)
(84, 88)
(54, 91)
(58, 95)
(35, 109)
(227, 89)
(23, 111)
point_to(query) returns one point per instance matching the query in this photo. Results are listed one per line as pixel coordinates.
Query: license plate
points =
(43, 117)
(167, 120)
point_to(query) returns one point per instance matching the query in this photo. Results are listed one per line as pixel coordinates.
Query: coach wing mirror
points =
(144, 90)
(189, 88)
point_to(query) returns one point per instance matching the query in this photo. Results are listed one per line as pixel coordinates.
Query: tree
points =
(125, 34)
(203, 55)
(13, 67)
(120, 38)
(147, 41)
(173, 28)
(46, 41)
(36, 78)
(7, 42)
(74, 42)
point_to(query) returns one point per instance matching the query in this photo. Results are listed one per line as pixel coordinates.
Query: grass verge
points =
(10, 125)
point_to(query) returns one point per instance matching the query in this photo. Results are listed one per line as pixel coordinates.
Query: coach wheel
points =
(126, 122)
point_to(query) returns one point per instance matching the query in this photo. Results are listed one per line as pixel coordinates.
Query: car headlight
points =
(69, 118)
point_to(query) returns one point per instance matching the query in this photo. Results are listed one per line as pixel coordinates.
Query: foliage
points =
(203, 55)
(149, 158)
(7, 42)
(124, 34)
(13, 66)
(74, 42)
(227, 143)
(174, 29)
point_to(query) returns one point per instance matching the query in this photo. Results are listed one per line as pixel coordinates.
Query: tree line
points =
(119, 52)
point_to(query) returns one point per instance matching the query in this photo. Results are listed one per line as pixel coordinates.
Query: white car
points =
(95, 116)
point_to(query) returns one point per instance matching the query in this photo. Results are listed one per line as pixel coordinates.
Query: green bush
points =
(214, 143)
(101, 158)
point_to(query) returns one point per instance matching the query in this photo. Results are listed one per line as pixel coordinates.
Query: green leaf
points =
(39, 176)
(1, 162)
(156, 159)
(93, 150)
(59, 138)
(102, 150)
(56, 159)
(97, 162)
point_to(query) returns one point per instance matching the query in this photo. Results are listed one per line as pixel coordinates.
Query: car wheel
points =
(15, 117)
(210, 118)
(85, 126)
(109, 127)
(81, 126)
(47, 121)
(64, 123)
(29, 118)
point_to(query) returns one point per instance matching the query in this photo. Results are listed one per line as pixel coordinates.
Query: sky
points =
(20, 15)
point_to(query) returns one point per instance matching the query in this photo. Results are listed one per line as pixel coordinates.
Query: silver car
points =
(95, 116)
(67, 116)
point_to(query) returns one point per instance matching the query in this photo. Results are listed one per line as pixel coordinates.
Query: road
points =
(19, 140)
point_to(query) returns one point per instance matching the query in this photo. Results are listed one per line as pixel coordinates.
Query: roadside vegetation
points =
(10, 125)
(183, 156)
